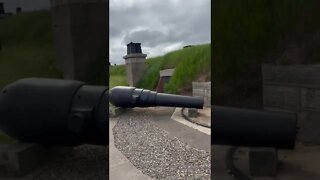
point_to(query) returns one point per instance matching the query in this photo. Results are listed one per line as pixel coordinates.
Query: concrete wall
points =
(165, 76)
(135, 68)
(166, 72)
(81, 32)
(295, 89)
(26, 5)
(202, 89)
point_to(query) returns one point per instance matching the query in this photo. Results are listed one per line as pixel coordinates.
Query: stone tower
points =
(135, 63)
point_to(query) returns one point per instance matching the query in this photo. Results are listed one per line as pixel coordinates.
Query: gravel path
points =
(155, 152)
(85, 162)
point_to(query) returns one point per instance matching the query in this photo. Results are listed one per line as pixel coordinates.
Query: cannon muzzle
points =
(242, 127)
(130, 97)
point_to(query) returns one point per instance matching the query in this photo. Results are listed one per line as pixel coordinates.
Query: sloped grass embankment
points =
(193, 63)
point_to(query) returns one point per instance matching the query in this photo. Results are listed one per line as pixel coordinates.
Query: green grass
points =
(98, 72)
(117, 76)
(22, 61)
(243, 31)
(247, 33)
(32, 27)
(27, 48)
(189, 63)
(151, 77)
(194, 63)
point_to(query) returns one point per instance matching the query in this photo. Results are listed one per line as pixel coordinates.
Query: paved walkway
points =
(197, 138)
(177, 116)
(120, 167)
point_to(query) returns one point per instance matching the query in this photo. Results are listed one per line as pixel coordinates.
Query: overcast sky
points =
(159, 25)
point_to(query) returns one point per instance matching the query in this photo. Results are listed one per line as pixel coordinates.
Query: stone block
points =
(263, 161)
(166, 72)
(207, 93)
(198, 92)
(309, 125)
(201, 85)
(278, 109)
(281, 96)
(202, 89)
(310, 98)
(302, 75)
(296, 89)
(192, 112)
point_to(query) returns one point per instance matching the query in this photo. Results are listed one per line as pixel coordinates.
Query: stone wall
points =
(202, 89)
(295, 89)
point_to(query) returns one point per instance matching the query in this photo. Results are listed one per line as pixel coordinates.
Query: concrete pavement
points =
(120, 168)
(190, 135)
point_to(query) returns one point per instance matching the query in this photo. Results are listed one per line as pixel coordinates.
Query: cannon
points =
(253, 128)
(52, 111)
(237, 127)
(70, 113)
(133, 97)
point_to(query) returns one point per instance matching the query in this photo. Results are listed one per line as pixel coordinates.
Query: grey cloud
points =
(114, 31)
(149, 38)
(157, 24)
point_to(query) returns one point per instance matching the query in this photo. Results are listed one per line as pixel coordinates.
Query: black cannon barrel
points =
(53, 111)
(242, 127)
(133, 97)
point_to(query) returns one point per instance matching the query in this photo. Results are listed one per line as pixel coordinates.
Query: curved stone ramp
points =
(155, 152)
